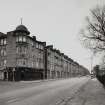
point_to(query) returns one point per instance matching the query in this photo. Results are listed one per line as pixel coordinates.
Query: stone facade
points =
(58, 65)
(22, 57)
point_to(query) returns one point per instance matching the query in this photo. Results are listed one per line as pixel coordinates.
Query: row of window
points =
(19, 50)
(39, 46)
(24, 49)
(21, 62)
(21, 39)
(24, 39)
(24, 62)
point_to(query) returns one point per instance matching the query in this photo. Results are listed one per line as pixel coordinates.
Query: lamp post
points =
(92, 57)
(13, 74)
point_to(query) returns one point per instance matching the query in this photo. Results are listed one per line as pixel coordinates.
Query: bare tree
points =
(93, 35)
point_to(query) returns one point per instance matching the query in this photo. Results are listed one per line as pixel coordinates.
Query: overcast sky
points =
(57, 22)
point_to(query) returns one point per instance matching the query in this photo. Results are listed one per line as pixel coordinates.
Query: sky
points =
(57, 22)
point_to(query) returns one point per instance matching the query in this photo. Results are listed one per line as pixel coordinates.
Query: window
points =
(32, 63)
(24, 39)
(48, 53)
(37, 45)
(21, 39)
(24, 62)
(21, 49)
(3, 52)
(17, 39)
(17, 49)
(3, 41)
(4, 62)
(21, 62)
(24, 50)
(31, 42)
(41, 47)
(37, 64)
(1, 63)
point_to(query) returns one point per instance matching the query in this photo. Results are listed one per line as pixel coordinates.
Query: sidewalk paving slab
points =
(92, 93)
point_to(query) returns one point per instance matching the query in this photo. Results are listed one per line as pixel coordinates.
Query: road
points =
(46, 93)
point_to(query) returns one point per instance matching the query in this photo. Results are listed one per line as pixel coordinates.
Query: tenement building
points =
(22, 57)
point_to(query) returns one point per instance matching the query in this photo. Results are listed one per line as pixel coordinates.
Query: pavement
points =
(6, 86)
(73, 91)
(41, 93)
(92, 93)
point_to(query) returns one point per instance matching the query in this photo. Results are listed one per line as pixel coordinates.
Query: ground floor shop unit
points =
(21, 73)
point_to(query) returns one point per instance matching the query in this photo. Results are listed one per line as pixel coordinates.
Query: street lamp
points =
(92, 57)
(13, 74)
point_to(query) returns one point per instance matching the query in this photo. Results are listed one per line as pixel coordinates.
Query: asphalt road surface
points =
(46, 93)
